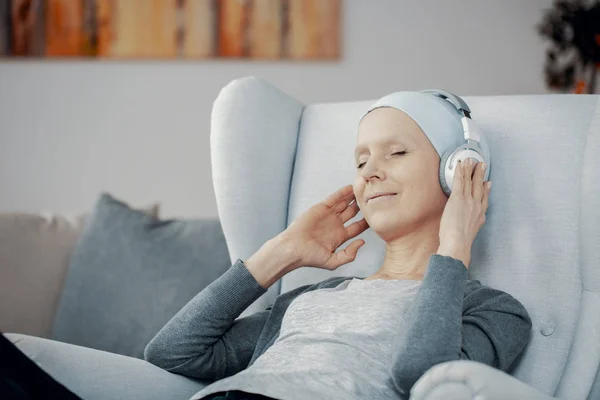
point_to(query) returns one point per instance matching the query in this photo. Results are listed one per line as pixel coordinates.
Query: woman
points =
(351, 337)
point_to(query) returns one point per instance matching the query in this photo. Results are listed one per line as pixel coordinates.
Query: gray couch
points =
(42, 265)
(273, 157)
(108, 280)
(35, 252)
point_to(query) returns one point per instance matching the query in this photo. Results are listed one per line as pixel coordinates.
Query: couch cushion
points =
(34, 255)
(130, 273)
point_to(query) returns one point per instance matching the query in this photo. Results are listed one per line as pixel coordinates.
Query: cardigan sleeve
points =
(487, 325)
(204, 340)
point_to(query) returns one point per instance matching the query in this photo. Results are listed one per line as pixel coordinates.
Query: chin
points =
(383, 225)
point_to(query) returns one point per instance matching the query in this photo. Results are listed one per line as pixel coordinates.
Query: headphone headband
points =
(471, 132)
(455, 100)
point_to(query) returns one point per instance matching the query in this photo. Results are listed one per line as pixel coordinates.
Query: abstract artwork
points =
(171, 29)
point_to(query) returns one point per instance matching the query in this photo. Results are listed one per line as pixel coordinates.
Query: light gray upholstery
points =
(99, 375)
(273, 158)
(464, 379)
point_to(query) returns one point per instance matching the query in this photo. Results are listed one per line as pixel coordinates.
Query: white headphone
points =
(471, 148)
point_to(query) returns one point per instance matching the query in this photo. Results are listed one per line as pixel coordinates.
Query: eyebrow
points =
(361, 148)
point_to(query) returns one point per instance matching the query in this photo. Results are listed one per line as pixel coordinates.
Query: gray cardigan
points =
(451, 318)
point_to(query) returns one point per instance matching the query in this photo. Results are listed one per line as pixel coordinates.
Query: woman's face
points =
(394, 155)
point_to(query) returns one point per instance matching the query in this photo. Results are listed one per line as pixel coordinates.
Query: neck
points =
(407, 256)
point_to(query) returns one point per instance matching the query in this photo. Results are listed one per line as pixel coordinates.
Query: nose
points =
(371, 170)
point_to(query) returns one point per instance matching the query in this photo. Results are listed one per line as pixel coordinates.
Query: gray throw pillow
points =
(130, 272)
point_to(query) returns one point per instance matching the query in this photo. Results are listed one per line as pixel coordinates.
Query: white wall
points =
(140, 130)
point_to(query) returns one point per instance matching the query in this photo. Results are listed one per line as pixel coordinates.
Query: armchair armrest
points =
(470, 380)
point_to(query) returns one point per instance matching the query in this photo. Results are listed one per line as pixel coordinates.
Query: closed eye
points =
(398, 152)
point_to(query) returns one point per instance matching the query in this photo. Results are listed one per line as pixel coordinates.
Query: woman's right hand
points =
(318, 232)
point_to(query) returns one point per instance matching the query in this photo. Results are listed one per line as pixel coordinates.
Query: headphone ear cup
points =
(442, 173)
(447, 175)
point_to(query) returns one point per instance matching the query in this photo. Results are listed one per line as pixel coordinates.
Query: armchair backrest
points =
(274, 157)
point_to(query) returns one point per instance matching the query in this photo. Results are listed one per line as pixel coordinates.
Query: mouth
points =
(381, 197)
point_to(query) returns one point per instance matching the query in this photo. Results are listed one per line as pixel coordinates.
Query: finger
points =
(343, 203)
(467, 178)
(478, 188)
(349, 212)
(486, 196)
(356, 228)
(457, 185)
(344, 256)
(338, 201)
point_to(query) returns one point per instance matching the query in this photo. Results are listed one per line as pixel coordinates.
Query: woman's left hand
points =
(465, 210)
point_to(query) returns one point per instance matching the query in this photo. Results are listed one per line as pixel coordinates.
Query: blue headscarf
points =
(437, 118)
